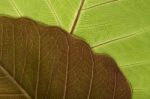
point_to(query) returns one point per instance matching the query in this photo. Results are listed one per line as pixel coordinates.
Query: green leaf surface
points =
(120, 28)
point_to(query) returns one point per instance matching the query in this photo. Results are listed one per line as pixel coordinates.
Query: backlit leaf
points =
(45, 62)
(119, 28)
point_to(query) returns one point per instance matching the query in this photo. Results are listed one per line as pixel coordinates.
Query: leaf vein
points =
(136, 63)
(1, 50)
(49, 4)
(14, 5)
(100, 4)
(14, 54)
(17, 94)
(92, 76)
(77, 17)
(25, 60)
(115, 85)
(39, 63)
(51, 75)
(67, 69)
(15, 82)
(141, 31)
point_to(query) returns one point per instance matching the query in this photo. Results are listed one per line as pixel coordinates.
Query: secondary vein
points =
(49, 4)
(96, 5)
(67, 69)
(38, 69)
(15, 7)
(15, 82)
(92, 76)
(115, 85)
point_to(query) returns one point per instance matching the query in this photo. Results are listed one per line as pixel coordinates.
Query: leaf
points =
(43, 62)
(119, 28)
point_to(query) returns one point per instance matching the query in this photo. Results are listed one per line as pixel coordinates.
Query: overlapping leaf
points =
(117, 27)
(44, 62)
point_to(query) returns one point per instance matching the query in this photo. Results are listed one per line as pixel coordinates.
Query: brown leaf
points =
(45, 62)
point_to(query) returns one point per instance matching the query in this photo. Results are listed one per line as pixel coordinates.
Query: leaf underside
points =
(45, 62)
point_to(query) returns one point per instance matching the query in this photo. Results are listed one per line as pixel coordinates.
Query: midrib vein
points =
(77, 17)
(79, 13)
(15, 82)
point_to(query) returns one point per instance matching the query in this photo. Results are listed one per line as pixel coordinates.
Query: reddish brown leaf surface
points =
(45, 62)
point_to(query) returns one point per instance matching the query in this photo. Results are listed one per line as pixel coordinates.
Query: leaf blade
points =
(64, 70)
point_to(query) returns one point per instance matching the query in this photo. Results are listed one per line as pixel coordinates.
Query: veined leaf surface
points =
(116, 27)
(46, 62)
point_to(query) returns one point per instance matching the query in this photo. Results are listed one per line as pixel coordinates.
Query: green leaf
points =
(119, 28)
